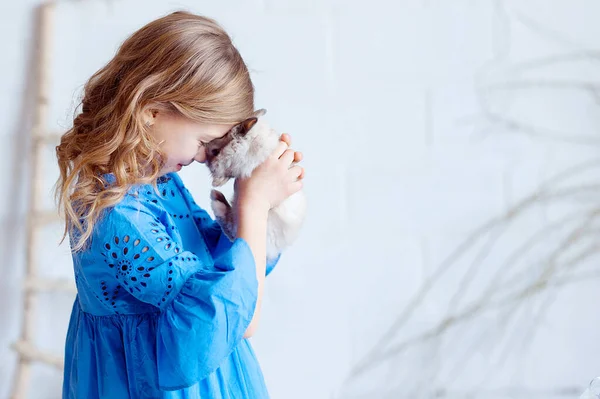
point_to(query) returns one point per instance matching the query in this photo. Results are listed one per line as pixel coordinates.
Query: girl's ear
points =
(149, 116)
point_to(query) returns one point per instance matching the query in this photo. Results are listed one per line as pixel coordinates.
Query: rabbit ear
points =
(245, 126)
(260, 112)
(219, 181)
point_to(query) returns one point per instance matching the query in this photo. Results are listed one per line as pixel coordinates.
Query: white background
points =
(435, 250)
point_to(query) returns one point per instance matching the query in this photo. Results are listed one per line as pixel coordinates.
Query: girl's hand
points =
(274, 180)
(297, 155)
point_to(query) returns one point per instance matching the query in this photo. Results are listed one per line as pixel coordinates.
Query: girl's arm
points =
(215, 239)
(253, 228)
(270, 183)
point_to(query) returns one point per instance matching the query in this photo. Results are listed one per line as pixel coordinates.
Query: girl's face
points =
(182, 140)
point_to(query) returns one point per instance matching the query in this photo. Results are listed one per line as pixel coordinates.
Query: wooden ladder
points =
(37, 218)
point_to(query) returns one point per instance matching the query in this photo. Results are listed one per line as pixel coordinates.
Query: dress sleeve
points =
(205, 306)
(216, 241)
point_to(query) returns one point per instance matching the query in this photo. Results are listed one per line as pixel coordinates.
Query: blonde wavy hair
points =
(182, 63)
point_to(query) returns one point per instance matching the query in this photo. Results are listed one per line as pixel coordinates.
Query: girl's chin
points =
(170, 169)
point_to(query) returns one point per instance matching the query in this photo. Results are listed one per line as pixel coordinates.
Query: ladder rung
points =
(31, 353)
(45, 217)
(39, 284)
(47, 138)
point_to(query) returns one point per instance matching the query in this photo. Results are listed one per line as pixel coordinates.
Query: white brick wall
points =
(421, 122)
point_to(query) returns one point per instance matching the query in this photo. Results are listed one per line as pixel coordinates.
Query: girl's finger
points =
(286, 138)
(287, 157)
(296, 186)
(298, 156)
(296, 172)
(281, 148)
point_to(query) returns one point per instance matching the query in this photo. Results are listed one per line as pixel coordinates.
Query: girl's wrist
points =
(253, 205)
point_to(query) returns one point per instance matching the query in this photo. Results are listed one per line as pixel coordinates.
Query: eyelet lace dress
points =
(164, 299)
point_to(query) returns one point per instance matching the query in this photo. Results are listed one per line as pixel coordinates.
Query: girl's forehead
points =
(205, 130)
(214, 131)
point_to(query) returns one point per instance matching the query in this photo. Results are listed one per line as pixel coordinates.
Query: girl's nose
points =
(201, 155)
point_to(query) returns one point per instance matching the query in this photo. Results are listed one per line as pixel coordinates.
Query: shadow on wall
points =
(502, 281)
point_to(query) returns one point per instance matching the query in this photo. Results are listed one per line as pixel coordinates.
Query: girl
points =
(165, 300)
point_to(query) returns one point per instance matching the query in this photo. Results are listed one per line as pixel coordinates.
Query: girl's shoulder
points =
(145, 195)
(139, 202)
(143, 206)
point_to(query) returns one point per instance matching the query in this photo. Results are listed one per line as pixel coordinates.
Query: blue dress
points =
(163, 302)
